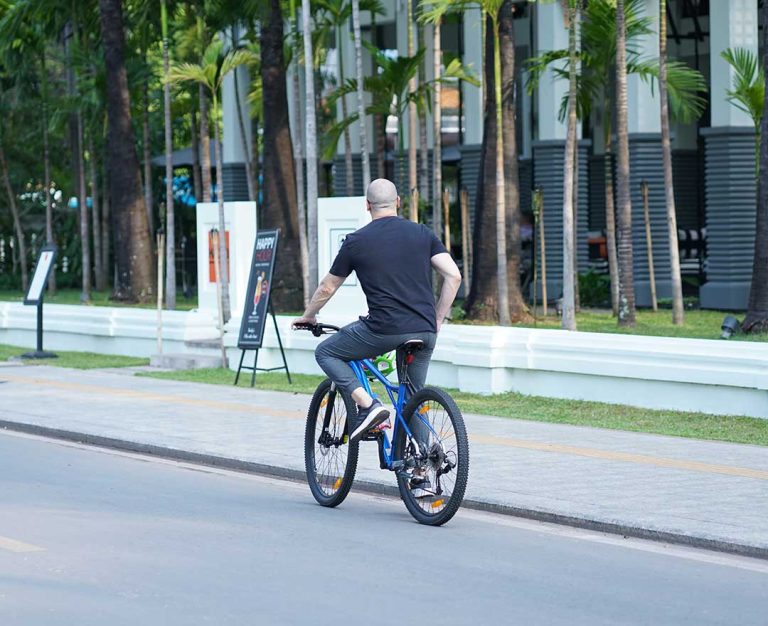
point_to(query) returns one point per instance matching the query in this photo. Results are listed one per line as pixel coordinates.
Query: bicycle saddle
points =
(411, 346)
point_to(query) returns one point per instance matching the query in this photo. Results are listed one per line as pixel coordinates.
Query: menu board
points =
(40, 278)
(256, 306)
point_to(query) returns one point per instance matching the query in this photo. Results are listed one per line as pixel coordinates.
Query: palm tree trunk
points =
(135, 275)
(423, 139)
(279, 206)
(298, 159)
(756, 320)
(576, 295)
(361, 94)
(610, 213)
(196, 180)
(311, 126)
(437, 127)
(501, 214)
(170, 215)
(413, 174)
(348, 163)
(518, 311)
(82, 196)
(49, 238)
(16, 219)
(626, 274)
(256, 165)
(98, 264)
(678, 316)
(147, 150)
(205, 146)
(106, 220)
(569, 299)
(223, 277)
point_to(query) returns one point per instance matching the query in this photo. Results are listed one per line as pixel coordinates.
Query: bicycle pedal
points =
(383, 426)
(371, 435)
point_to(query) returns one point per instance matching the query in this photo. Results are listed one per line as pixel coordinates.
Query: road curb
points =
(388, 490)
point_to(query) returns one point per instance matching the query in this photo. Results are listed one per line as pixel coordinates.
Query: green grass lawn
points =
(698, 324)
(98, 298)
(76, 360)
(515, 405)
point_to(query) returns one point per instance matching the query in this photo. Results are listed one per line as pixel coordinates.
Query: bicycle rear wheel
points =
(329, 458)
(442, 457)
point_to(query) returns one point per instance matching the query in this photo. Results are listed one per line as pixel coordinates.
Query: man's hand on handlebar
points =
(303, 321)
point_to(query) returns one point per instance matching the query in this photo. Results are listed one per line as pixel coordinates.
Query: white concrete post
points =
(472, 97)
(643, 95)
(552, 35)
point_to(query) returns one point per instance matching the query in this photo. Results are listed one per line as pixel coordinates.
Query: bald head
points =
(382, 196)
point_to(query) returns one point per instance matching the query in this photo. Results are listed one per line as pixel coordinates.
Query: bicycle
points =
(437, 455)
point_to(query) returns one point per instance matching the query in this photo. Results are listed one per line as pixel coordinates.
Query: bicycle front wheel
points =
(435, 461)
(329, 458)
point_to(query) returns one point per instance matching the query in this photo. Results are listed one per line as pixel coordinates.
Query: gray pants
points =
(356, 341)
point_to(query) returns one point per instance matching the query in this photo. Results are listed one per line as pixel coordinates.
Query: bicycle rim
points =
(330, 460)
(443, 458)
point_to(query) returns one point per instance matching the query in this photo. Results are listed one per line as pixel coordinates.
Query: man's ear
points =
(398, 202)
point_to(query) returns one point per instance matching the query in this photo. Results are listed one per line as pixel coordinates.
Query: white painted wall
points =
(715, 377)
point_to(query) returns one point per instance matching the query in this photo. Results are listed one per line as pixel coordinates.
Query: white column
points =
(472, 97)
(643, 96)
(733, 24)
(552, 35)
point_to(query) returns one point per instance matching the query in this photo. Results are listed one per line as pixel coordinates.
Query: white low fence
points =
(716, 377)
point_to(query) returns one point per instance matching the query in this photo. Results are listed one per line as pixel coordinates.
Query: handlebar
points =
(316, 329)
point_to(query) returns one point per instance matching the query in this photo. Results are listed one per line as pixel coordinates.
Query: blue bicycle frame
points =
(398, 394)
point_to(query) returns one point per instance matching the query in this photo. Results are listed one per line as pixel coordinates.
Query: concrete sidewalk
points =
(706, 494)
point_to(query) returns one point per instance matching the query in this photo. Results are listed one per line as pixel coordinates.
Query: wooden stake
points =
(466, 240)
(160, 281)
(649, 243)
(217, 268)
(447, 219)
(414, 208)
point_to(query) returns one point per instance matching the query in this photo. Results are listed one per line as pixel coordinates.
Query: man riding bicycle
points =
(393, 259)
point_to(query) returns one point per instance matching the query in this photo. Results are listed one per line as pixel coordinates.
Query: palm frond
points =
(748, 85)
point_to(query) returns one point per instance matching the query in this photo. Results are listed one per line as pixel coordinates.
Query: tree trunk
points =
(518, 311)
(49, 238)
(98, 264)
(135, 265)
(298, 159)
(756, 320)
(170, 213)
(279, 208)
(205, 146)
(413, 174)
(626, 274)
(241, 127)
(569, 297)
(348, 162)
(678, 316)
(106, 223)
(223, 275)
(437, 124)
(311, 126)
(361, 94)
(16, 219)
(196, 180)
(610, 213)
(147, 150)
(82, 201)
(423, 139)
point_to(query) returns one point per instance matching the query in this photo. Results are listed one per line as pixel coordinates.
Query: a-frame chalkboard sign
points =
(258, 305)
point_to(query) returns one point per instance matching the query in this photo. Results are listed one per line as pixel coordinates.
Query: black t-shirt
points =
(391, 257)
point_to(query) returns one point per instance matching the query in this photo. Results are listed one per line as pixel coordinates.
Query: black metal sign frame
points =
(35, 294)
(258, 304)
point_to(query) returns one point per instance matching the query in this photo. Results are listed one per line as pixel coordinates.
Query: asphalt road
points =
(89, 536)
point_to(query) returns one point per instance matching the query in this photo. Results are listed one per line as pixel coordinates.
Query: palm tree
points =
(626, 279)
(135, 275)
(437, 128)
(678, 315)
(569, 296)
(170, 217)
(210, 72)
(360, 94)
(748, 93)
(311, 126)
(11, 194)
(413, 174)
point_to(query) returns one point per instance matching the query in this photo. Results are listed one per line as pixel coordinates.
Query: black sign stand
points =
(35, 297)
(258, 305)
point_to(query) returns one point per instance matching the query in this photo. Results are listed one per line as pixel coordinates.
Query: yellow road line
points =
(154, 397)
(11, 545)
(594, 453)
(609, 455)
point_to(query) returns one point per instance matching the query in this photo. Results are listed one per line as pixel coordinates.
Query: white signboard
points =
(42, 270)
(336, 218)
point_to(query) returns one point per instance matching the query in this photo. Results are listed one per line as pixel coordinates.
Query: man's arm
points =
(325, 290)
(447, 268)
